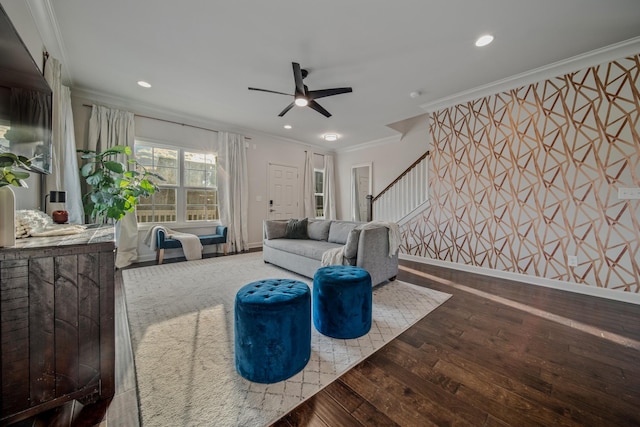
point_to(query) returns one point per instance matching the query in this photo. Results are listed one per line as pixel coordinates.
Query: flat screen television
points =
(25, 101)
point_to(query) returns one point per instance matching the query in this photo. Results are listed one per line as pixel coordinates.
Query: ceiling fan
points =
(303, 97)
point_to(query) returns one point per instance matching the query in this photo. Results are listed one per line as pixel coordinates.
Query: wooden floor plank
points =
(419, 379)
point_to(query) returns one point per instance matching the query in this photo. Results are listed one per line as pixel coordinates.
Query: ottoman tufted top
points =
(272, 292)
(341, 274)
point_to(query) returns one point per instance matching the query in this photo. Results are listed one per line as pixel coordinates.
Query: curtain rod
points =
(172, 122)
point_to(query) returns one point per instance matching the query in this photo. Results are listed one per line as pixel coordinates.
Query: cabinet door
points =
(57, 329)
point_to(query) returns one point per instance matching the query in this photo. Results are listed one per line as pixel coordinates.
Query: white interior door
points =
(283, 192)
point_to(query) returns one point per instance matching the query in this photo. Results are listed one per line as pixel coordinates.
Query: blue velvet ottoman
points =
(342, 301)
(272, 327)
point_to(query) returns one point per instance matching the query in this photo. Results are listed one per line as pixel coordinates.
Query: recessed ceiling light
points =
(484, 40)
(287, 126)
(330, 137)
(144, 84)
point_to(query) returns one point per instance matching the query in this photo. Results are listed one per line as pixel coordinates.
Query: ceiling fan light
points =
(301, 102)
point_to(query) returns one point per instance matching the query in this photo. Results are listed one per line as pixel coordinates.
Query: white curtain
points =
(308, 197)
(329, 188)
(65, 175)
(109, 127)
(233, 189)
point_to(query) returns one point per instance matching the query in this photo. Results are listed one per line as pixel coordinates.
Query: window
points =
(162, 205)
(189, 192)
(319, 191)
(200, 186)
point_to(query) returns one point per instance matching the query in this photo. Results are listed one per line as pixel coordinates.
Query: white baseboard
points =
(532, 280)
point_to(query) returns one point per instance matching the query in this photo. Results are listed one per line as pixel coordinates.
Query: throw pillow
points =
(275, 229)
(318, 230)
(339, 231)
(351, 247)
(297, 229)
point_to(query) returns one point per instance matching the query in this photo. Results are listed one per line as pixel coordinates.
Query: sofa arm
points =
(373, 243)
(160, 236)
(373, 255)
(222, 230)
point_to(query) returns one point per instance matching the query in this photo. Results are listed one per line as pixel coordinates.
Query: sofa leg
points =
(391, 279)
(159, 256)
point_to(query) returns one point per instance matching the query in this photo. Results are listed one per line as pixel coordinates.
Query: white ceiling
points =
(201, 55)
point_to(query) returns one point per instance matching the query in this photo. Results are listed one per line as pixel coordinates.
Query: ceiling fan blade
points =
(270, 91)
(297, 77)
(315, 94)
(287, 108)
(319, 109)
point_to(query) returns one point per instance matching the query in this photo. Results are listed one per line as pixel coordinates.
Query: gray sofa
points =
(367, 247)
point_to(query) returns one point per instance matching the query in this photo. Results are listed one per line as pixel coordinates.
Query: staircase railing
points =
(405, 194)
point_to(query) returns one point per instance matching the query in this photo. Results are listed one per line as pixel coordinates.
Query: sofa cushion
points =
(318, 230)
(297, 229)
(351, 247)
(275, 229)
(308, 248)
(339, 231)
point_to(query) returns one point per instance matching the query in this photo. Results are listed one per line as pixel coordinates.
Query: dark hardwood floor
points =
(496, 353)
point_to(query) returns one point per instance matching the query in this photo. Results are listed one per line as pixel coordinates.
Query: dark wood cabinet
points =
(56, 322)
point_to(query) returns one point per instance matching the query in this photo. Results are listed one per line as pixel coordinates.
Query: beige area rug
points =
(181, 322)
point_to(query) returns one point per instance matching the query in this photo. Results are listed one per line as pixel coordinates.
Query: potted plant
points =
(9, 175)
(114, 189)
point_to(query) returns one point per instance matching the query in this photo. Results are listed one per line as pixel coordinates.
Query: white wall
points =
(389, 158)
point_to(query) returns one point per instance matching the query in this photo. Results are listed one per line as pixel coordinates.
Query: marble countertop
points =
(93, 234)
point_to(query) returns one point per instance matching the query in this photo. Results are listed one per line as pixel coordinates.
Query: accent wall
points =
(523, 179)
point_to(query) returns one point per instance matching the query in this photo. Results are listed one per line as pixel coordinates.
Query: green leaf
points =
(147, 186)
(116, 167)
(86, 169)
(21, 175)
(95, 179)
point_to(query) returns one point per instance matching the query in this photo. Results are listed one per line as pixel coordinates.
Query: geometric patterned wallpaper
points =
(522, 179)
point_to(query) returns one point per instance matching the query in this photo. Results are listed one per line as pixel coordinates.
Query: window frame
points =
(181, 188)
(315, 194)
(186, 187)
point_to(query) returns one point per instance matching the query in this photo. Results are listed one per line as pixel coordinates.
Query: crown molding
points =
(578, 62)
(49, 30)
(371, 144)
